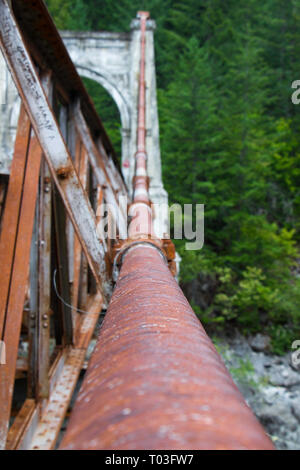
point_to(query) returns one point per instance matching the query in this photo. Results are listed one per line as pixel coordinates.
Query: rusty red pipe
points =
(141, 225)
(141, 136)
(140, 211)
(155, 380)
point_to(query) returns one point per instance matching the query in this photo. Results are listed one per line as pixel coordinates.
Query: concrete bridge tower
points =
(112, 60)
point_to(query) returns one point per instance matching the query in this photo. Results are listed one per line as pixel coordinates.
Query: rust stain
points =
(64, 171)
(155, 380)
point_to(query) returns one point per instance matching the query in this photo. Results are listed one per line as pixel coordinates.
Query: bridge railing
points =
(55, 262)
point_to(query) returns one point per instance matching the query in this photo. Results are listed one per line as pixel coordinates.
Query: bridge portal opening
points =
(108, 112)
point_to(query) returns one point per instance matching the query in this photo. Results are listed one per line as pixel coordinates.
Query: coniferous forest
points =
(230, 139)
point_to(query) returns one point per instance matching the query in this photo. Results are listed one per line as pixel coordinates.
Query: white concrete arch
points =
(112, 60)
(9, 114)
(111, 89)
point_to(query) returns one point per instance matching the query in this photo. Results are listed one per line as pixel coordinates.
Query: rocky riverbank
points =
(269, 383)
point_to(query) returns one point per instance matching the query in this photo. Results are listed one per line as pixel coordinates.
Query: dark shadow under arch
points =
(107, 110)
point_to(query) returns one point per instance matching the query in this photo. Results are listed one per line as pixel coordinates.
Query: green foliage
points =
(107, 109)
(230, 140)
(241, 369)
(243, 373)
(69, 14)
(282, 338)
(286, 173)
(252, 299)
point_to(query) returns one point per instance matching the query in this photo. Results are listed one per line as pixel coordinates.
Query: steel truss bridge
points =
(154, 380)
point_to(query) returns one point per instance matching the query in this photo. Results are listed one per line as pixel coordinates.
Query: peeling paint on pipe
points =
(155, 380)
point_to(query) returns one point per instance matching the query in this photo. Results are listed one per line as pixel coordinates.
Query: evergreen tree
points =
(230, 140)
(69, 14)
(107, 109)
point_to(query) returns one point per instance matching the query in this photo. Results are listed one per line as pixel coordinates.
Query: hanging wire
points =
(61, 299)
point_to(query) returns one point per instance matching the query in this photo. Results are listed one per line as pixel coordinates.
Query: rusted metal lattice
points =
(49, 240)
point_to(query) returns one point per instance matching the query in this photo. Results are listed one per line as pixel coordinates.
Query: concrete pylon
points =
(112, 60)
(9, 114)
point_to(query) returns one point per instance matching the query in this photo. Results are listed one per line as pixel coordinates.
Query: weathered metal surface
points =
(84, 175)
(88, 322)
(99, 201)
(155, 380)
(100, 171)
(29, 430)
(39, 422)
(54, 147)
(82, 168)
(56, 368)
(141, 180)
(20, 424)
(69, 135)
(38, 320)
(32, 311)
(45, 283)
(12, 211)
(49, 426)
(18, 281)
(50, 53)
(83, 294)
(140, 211)
(3, 189)
(114, 174)
(54, 412)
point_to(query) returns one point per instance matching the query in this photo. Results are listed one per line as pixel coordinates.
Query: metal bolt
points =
(45, 325)
(45, 316)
